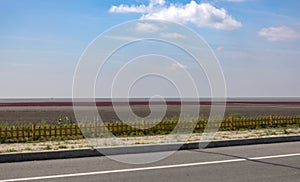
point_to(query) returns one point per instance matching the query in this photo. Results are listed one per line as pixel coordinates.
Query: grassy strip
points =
(61, 144)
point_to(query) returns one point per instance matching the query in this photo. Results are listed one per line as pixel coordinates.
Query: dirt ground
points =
(54, 113)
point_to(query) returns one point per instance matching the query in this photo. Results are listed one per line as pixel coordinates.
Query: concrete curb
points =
(64, 154)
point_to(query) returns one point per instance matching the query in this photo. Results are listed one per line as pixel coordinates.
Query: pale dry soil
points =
(142, 140)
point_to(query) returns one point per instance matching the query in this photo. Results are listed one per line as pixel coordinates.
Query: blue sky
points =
(256, 41)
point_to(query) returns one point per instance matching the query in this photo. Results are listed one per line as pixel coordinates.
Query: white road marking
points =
(148, 168)
(274, 156)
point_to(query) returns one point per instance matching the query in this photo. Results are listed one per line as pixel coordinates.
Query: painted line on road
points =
(274, 156)
(149, 168)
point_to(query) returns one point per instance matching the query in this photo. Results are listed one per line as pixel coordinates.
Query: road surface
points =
(269, 163)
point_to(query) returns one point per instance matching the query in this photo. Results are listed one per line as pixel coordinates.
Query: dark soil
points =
(52, 114)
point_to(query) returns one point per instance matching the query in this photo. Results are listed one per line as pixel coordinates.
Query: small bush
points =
(236, 115)
(22, 140)
(28, 149)
(11, 150)
(42, 139)
(48, 147)
(62, 147)
(9, 141)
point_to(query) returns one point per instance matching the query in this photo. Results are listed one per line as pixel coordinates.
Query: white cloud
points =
(160, 2)
(176, 66)
(235, 1)
(201, 15)
(128, 9)
(146, 27)
(172, 35)
(282, 33)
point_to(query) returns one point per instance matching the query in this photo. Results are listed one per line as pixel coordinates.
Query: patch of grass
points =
(236, 115)
(11, 150)
(42, 139)
(28, 149)
(62, 147)
(9, 141)
(48, 147)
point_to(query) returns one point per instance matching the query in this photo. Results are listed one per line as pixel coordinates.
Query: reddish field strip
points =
(41, 104)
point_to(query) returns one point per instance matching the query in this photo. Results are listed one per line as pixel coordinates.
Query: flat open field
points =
(53, 111)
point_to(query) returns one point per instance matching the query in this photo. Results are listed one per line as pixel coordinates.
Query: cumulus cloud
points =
(281, 33)
(235, 1)
(173, 35)
(199, 14)
(128, 9)
(160, 2)
(146, 27)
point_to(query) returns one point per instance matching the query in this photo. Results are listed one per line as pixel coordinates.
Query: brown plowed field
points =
(51, 112)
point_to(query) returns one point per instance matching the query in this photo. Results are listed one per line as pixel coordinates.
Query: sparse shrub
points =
(9, 141)
(42, 139)
(62, 147)
(11, 150)
(22, 140)
(28, 149)
(48, 147)
(236, 115)
(53, 139)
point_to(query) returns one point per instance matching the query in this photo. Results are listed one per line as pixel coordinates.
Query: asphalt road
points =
(270, 163)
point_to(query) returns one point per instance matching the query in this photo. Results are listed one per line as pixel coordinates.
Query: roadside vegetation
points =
(66, 130)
